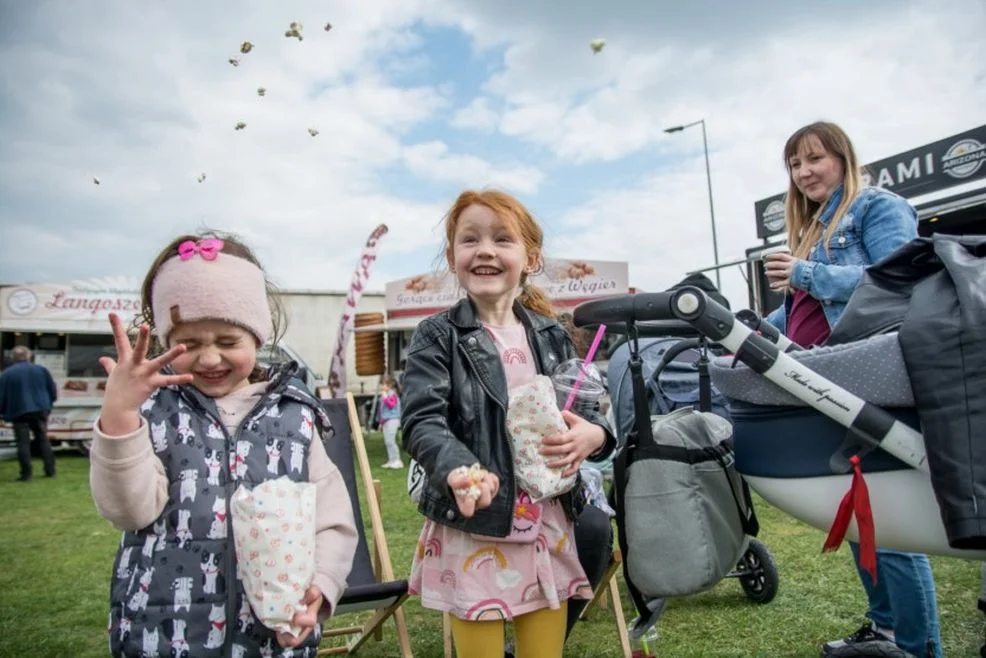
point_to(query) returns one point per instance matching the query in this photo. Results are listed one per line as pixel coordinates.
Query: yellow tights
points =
(538, 634)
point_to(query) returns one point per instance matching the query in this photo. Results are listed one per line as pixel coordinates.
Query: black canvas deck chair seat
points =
(371, 584)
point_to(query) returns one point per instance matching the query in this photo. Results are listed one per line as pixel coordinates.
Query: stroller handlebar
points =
(688, 305)
(622, 309)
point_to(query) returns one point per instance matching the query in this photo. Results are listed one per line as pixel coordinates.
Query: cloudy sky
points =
(415, 100)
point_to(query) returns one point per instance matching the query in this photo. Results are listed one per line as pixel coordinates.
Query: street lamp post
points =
(708, 179)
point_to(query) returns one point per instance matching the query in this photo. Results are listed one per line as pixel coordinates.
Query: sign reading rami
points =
(566, 282)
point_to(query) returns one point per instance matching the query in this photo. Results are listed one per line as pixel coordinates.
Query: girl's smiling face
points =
(488, 257)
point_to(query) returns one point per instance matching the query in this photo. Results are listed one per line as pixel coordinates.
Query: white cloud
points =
(136, 97)
(915, 78)
(144, 98)
(478, 115)
(433, 160)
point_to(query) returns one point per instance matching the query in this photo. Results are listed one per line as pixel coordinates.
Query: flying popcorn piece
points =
(312, 132)
(240, 125)
(597, 45)
(200, 177)
(294, 30)
(235, 61)
(261, 91)
(328, 26)
(95, 179)
(246, 47)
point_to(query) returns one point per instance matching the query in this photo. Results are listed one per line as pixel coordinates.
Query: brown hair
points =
(233, 246)
(800, 212)
(391, 382)
(521, 223)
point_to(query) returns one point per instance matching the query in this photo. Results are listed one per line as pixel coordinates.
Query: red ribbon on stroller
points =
(857, 500)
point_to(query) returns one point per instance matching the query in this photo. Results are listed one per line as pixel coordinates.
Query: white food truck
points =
(566, 282)
(66, 326)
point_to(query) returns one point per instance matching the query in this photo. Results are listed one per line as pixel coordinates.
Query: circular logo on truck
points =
(773, 216)
(22, 302)
(964, 158)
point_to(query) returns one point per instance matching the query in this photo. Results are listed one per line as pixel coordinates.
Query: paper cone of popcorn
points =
(274, 532)
(533, 415)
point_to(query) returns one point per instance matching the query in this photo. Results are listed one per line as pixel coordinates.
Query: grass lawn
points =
(58, 552)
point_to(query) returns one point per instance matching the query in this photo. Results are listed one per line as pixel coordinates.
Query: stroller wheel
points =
(757, 573)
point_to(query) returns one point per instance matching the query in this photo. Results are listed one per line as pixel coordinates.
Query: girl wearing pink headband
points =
(180, 432)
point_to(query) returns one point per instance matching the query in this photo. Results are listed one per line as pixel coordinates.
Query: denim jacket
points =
(876, 224)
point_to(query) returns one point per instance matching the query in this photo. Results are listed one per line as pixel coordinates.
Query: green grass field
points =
(57, 554)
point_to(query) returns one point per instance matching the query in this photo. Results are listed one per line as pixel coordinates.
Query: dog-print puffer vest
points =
(174, 589)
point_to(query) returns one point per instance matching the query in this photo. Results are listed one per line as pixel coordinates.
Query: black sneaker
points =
(865, 643)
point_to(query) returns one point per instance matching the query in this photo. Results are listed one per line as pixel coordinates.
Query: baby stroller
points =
(785, 394)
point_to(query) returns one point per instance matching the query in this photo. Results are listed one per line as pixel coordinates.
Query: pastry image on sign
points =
(420, 283)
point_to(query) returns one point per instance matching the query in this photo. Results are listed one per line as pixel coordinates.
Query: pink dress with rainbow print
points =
(483, 578)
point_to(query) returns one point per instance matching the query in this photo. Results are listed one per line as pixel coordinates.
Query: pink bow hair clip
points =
(207, 249)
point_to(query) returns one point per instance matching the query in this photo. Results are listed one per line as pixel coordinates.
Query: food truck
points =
(66, 327)
(567, 283)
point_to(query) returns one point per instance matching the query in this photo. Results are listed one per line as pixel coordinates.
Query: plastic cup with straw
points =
(584, 367)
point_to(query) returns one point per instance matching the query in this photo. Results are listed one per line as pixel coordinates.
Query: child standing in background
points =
(389, 415)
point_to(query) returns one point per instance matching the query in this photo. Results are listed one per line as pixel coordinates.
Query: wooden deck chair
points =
(367, 588)
(607, 584)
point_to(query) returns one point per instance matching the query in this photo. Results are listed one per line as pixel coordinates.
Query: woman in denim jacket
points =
(836, 228)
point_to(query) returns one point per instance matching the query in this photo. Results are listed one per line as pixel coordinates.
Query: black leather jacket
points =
(454, 401)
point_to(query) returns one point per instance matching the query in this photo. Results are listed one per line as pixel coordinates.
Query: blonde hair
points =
(520, 222)
(800, 212)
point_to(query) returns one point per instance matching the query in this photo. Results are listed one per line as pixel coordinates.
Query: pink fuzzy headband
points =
(202, 283)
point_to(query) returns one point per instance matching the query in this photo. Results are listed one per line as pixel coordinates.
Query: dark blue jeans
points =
(903, 599)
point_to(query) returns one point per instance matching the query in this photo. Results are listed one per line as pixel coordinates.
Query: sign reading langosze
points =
(930, 168)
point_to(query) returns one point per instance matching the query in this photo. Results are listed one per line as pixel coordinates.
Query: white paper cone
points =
(532, 415)
(274, 533)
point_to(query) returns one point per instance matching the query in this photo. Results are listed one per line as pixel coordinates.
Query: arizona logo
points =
(514, 355)
(484, 555)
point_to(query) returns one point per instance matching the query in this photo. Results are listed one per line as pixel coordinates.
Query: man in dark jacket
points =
(27, 393)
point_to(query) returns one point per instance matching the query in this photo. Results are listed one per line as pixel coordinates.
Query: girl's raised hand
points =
(132, 378)
(474, 488)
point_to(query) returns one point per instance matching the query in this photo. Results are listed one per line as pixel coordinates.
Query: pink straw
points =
(600, 332)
